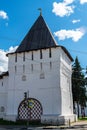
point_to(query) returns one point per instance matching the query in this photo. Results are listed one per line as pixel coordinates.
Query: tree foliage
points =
(78, 85)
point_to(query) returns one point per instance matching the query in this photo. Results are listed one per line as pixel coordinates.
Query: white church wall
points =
(42, 82)
(48, 79)
(3, 96)
(65, 70)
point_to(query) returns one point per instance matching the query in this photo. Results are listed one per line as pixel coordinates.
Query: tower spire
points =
(40, 11)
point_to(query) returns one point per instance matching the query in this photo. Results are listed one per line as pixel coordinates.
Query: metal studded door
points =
(30, 109)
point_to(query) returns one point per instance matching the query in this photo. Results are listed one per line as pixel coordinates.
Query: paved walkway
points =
(80, 125)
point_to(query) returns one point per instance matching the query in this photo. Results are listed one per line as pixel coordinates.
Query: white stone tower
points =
(42, 69)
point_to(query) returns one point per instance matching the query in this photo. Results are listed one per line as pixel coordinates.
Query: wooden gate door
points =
(30, 109)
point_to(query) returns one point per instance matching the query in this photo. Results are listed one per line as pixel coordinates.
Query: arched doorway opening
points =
(30, 109)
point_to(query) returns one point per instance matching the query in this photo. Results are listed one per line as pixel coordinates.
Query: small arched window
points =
(2, 109)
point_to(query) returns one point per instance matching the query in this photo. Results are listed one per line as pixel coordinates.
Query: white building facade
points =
(37, 85)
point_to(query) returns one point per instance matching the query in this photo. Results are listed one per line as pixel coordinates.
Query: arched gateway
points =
(30, 109)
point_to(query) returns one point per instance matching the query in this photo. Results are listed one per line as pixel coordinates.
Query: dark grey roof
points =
(4, 74)
(39, 37)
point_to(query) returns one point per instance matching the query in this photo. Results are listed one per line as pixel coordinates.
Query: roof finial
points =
(40, 11)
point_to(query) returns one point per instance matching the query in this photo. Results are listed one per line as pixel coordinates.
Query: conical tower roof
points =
(38, 37)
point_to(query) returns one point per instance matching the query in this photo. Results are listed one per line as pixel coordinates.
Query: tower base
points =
(58, 119)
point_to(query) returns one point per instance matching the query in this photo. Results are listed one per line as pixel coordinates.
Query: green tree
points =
(78, 86)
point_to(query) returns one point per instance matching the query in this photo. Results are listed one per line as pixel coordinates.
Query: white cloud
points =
(75, 21)
(3, 14)
(75, 35)
(3, 61)
(12, 49)
(83, 1)
(4, 58)
(63, 8)
(68, 1)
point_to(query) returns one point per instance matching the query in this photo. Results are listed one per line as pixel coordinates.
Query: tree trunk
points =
(78, 108)
(74, 108)
(83, 112)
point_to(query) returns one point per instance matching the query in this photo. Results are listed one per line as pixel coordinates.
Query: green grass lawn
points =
(82, 119)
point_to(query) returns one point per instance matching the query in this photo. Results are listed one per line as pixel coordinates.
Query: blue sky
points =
(67, 20)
